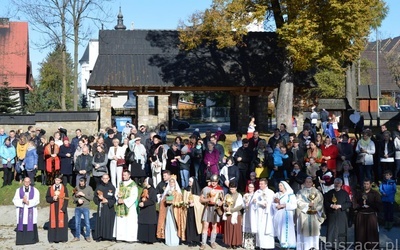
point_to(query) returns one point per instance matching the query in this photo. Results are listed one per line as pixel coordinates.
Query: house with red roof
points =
(15, 65)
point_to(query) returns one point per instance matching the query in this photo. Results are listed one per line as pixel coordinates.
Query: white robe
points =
(284, 220)
(265, 228)
(126, 228)
(313, 222)
(32, 203)
(250, 215)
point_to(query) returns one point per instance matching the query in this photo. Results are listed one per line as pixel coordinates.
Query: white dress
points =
(126, 228)
(249, 221)
(171, 231)
(284, 220)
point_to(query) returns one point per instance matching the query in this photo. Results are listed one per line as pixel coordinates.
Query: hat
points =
(296, 140)
(65, 138)
(110, 131)
(184, 150)
(197, 130)
(136, 138)
(214, 177)
(219, 129)
(142, 126)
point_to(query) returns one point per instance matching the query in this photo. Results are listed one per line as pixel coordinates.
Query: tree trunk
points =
(284, 105)
(351, 86)
(76, 48)
(64, 78)
(64, 57)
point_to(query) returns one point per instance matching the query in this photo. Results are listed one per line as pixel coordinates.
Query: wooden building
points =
(150, 63)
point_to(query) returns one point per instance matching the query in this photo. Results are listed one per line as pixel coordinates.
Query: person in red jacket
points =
(329, 154)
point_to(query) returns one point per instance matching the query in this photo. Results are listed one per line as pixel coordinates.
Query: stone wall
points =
(105, 110)
(87, 127)
(88, 122)
(152, 121)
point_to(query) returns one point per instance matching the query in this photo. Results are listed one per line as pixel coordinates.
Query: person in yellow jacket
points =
(22, 147)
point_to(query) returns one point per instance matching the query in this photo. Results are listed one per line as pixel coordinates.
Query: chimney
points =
(4, 22)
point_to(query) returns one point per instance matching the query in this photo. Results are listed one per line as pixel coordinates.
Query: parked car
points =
(387, 108)
(180, 124)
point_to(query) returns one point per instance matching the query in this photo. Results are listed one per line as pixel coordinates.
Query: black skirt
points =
(191, 229)
(136, 170)
(147, 233)
(27, 237)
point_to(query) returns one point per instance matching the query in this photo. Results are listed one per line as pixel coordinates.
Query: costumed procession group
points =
(143, 191)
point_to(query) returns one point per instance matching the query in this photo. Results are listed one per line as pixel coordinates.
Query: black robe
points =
(26, 237)
(337, 218)
(191, 230)
(161, 187)
(147, 219)
(40, 153)
(58, 234)
(366, 224)
(105, 215)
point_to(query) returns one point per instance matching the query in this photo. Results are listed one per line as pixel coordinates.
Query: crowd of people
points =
(253, 191)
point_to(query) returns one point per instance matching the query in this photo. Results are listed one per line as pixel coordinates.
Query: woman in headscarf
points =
(155, 155)
(191, 198)
(284, 206)
(229, 174)
(147, 219)
(169, 226)
(233, 204)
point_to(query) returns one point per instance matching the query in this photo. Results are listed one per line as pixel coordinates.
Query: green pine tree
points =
(8, 104)
(83, 102)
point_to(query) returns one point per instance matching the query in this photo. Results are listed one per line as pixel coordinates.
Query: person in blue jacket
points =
(30, 162)
(7, 153)
(388, 191)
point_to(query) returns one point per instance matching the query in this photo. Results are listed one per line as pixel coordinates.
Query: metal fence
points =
(207, 114)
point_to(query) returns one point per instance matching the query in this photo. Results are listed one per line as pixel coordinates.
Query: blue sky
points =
(165, 14)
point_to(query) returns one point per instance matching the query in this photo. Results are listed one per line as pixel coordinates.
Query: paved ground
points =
(388, 239)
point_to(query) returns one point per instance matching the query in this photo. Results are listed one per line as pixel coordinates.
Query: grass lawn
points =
(7, 194)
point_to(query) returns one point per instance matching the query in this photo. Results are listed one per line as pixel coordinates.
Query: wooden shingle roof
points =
(386, 78)
(129, 59)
